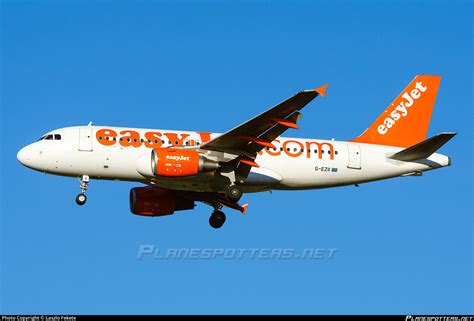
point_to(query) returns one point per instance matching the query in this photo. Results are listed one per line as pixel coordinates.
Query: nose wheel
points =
(82, 198)
(217, 219)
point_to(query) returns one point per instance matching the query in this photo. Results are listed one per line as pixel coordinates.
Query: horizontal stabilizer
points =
(424, 149)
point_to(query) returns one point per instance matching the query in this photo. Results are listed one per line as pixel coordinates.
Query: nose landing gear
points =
(82, 198)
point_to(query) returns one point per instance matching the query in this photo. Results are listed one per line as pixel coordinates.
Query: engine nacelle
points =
(173, 162)
(153, 201)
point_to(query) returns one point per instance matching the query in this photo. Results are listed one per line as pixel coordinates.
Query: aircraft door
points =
(85, 139)
(354, 156)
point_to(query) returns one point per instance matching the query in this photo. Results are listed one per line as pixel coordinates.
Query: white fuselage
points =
(296, 163)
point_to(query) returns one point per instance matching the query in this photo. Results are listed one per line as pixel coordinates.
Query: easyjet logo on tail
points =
(406, 120)
(402, 109)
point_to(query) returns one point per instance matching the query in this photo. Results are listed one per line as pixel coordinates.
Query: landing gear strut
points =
(82, 198)
(217, 219)
(233, 193)
(219, 200)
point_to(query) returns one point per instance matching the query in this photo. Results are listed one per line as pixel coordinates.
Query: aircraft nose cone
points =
(24, 156)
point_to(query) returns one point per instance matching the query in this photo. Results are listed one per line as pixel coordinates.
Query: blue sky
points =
(403, 245)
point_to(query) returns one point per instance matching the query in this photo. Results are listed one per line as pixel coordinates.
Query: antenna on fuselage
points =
(90, 123)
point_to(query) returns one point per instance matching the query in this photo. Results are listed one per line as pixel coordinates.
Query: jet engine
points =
(154, 201)
(171, 162)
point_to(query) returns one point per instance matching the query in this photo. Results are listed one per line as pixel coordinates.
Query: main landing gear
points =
(233, 193)
(82, 198)
(217, 219)
(230, 199)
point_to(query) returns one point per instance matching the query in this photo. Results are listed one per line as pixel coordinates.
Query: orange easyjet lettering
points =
(154, 139)
(205, 137)
(132, 138)
(401, 110)
(295, 152)
(274, 151)
(320, 148)
(106, 136)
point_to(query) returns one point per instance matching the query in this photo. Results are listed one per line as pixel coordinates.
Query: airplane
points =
(180, 168)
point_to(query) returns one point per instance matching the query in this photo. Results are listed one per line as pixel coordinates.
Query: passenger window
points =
(57, 137)
(335, 152)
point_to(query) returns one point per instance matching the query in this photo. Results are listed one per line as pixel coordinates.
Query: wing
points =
(257, 133)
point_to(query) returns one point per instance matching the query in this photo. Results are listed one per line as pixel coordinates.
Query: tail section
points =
(424, 149)
(405, 122)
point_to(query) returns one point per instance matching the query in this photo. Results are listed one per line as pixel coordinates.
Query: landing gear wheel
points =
(233, 194)
(217, 219)
(81, 199)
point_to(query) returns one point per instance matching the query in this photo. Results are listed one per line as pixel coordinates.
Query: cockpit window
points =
(41, 138)
(57, 137)
(49, 137)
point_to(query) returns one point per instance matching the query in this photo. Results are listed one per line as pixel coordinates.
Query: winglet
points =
(322, 90)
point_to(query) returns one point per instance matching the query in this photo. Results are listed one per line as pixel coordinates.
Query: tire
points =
(217, 219)
(233, 194)
(81, 199)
